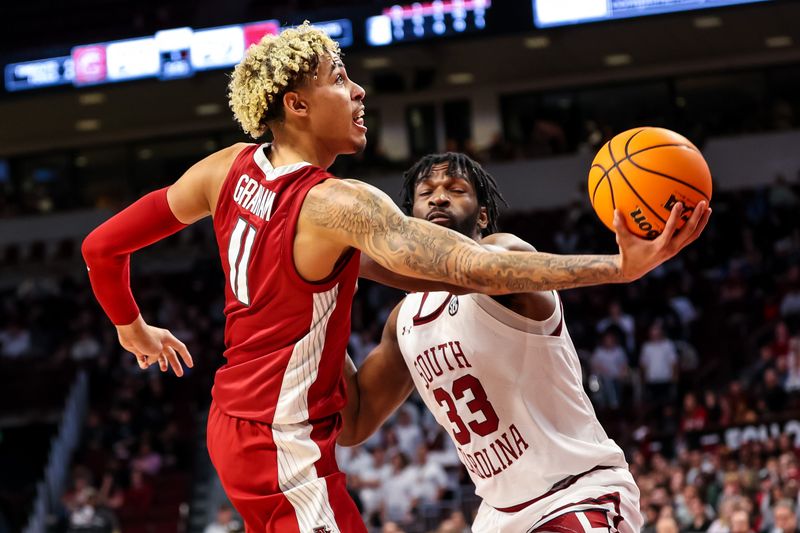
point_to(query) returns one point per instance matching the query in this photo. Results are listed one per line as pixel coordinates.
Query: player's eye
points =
(424, 193)
(459, 191)
(339, 79)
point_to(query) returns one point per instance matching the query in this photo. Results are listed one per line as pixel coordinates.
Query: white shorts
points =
(598, 502)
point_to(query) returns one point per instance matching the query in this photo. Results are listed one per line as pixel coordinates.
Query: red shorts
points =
(282, 478)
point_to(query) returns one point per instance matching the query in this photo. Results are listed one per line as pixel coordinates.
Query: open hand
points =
(153, 345)
(640, 256)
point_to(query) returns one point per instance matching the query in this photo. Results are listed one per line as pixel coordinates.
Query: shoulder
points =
(218, 163)
(391, 322)
(507, 241)
(337, 190)
(350, 205)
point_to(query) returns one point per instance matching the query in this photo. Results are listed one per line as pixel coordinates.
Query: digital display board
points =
(39, 73)
(548, 13)
(421, 20)
(133, 59)
(90, 64)
(169, 54)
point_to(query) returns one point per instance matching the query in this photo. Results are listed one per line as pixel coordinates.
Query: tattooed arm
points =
(356, 214)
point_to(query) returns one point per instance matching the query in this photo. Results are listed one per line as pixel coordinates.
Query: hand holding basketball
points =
(644, 172)
(640, 256)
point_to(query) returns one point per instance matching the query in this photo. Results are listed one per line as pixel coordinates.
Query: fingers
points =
(672, 222)
(170, 356)
(141, 360)
(620, 227)
(181, 349)
(689, 230)
(701, 226)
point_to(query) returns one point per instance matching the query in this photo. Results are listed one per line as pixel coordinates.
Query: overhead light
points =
(617, 60)
(372, 63)
(87, 124)
(779, 41)
(704, 23)
(81, 161)
(91, 98)
(460, 78)
(538, 42)
(145, 154)
(205, 110)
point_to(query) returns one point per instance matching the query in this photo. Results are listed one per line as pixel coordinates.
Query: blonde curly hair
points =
(274, 66)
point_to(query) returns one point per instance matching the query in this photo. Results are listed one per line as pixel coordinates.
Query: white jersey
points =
(508, 390)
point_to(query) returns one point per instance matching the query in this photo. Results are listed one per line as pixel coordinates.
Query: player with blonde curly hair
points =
(290, 236)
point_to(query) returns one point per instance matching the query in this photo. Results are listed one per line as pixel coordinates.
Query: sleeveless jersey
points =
(285, 338)
(511, 400)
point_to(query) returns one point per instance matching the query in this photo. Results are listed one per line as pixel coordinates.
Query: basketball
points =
(644, 172)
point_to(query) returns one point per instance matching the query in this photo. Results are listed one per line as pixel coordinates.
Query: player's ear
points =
(295, 104)
(483, 218)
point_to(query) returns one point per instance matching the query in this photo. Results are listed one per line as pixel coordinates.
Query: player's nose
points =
(358, 92)
(439, 199)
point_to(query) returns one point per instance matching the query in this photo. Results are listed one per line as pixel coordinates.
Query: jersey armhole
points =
(229, 179)
(287, 244)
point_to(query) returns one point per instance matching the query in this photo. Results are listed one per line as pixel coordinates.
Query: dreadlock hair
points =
(462, 166)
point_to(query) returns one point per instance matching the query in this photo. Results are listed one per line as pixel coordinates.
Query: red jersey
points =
(285, 337)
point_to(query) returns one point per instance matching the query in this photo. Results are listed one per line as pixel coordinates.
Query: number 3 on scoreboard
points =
(239, 248)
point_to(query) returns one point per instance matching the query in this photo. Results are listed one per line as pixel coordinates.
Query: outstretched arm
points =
(375, 390)
(152, 218)
(372, 270)
(359, 215)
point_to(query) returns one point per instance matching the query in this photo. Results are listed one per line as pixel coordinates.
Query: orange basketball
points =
(644, 172)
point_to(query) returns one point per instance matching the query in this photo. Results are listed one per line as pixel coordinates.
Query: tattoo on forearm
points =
(416, 247)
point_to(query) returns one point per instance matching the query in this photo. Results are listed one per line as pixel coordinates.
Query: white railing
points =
(50, 488)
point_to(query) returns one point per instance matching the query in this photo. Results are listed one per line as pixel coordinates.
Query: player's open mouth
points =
(358, 119)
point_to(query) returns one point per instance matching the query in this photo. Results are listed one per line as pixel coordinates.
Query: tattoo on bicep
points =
(404, 244)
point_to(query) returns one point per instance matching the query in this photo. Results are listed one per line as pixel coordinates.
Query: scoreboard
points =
(181, 52)
(401, 23)
(548, 13)
(169, 54)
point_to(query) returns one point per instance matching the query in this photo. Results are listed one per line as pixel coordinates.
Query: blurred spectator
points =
(610, 363)
(772, 392)
(89, 516)
(700, 516)
(659, 363)
(430, 478)
(792, 383)
(85, 346)
(225, 522)
(409, 434)
(785, 517)
(623, 321)
(740, 522)
(398, 491)
(694, 415)
(147, 461)
(667, 524)
(15, 340)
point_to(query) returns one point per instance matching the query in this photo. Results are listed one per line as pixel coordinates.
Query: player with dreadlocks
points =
(500, 374)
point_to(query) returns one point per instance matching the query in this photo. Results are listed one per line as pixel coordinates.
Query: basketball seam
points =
(613, 202)
(629, 157)
(604, 176)
(616, 165)
(667, 176)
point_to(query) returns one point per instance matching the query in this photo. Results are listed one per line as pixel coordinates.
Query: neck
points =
(289, 147)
